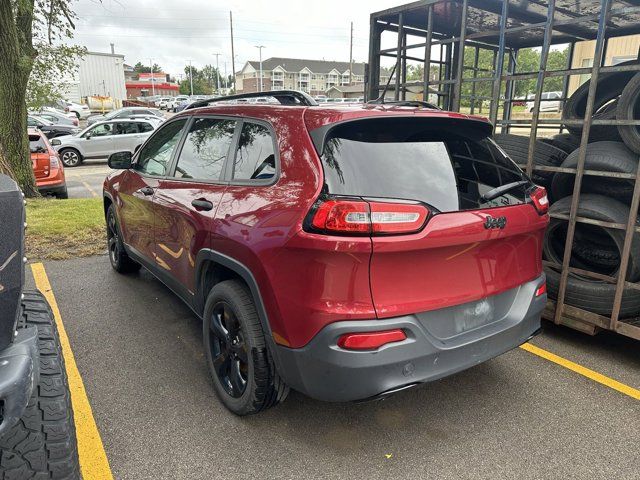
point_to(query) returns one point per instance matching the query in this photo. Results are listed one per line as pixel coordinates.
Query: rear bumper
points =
(324, 371)
(54, 183)
(18, 376)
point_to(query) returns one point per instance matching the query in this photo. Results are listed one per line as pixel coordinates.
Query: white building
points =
(98, 74)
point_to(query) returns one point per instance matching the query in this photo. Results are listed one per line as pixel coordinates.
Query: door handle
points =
(146, 190)
(201, 204)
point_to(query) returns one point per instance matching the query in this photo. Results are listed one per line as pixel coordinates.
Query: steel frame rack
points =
(504, 28)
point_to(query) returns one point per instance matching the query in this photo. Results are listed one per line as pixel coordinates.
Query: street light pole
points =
(153, 86)
(191, 77)
(260, 47)
(217, 73)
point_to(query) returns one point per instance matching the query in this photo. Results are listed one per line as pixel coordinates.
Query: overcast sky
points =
(171, 33)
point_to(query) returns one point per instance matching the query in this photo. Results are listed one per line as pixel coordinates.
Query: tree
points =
(204, 80)
(28, 29)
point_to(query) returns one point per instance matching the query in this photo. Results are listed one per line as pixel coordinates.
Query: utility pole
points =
(226, 79)
(351, 56)
(233, 57)
(153, 85)
(191, 77)
(260, 47)
(217, 73)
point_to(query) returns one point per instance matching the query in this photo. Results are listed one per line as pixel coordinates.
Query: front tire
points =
(244, 377)
(118, 257)
(70, 157)
(43, 442)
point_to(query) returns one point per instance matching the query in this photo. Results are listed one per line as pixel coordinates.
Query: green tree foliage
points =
(204, 80)
(31, 34)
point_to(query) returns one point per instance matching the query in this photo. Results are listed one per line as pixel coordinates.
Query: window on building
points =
(205, 149)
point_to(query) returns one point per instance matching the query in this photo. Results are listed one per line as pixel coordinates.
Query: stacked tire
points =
(596, 248)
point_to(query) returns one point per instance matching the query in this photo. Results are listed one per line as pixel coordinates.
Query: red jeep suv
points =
(346, 252)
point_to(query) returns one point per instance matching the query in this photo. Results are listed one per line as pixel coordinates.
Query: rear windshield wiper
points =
(502, 189)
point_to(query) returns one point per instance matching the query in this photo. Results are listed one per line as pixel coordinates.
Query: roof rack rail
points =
(285, 97)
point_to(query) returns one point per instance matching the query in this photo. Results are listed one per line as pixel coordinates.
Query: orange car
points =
(47, 166)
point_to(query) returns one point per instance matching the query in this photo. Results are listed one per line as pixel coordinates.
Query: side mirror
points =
(120, 160)
(87, 136)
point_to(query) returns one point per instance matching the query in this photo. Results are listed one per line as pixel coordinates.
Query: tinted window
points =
(102, 130)
(448, 167)
(144, 127)
(255, 158)
(36, 144)
(205, 149)
(125, 128)
(154, 157)
(32, 122)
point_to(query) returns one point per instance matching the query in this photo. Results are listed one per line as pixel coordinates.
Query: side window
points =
(144, 127)
(154, 157)
(205, 149)
(125, 128)
(255, 158)
(101, 130)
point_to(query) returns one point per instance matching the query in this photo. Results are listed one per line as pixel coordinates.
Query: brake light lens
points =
(370, 340)
(542, 289)
(359, 217)
(540, 200)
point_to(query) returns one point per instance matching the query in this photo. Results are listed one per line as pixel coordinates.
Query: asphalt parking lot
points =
(138, 350)
(86, 180)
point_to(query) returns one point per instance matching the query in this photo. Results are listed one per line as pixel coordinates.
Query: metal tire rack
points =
(504, 28)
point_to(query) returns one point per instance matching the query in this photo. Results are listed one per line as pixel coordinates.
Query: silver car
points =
(102, 139)
(125, 113)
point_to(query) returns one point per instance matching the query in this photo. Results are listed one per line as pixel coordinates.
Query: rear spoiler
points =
(473, 128)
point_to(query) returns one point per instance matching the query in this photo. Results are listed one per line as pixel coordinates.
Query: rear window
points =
(444, 163)
(36, 144)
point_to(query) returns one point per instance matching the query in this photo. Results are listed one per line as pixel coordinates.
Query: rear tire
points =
(70, 157)
(63, 194)
(243, 374)
(118, 257)
(43, 442)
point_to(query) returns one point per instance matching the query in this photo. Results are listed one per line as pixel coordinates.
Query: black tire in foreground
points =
(610, 86)
(598, 251)
(567, 142)
(120, 261)
(629, 109)
(243, 374)
(605, 156)
(517, 147)
(43, 442)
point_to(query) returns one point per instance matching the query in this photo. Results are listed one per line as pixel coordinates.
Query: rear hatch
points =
(452, 219)
(39, 156)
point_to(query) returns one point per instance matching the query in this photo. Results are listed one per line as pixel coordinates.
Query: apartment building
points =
(312, 76)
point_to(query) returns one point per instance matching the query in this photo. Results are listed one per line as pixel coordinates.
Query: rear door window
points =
(447, 167)
(205, 149)
(125, 128)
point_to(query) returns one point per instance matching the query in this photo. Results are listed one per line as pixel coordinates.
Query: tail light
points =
(540, 200)
(541, 290)
(343, 216)
(370, 340)
(54, 161)
(75, 121)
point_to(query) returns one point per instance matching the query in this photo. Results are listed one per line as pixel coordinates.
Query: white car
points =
(81, 111)
(163, 102)
(177, 101)
(102, 139)
(548, 102)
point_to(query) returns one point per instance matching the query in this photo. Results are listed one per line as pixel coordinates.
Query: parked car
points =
(37, 432)
(346, 253)
(81, 111)
(176, 101)
(184, 104)
(49, 129)
(56, 117)
(548, 103)
(102, 139)
(47, 167)
(125, 113)
(163, 102)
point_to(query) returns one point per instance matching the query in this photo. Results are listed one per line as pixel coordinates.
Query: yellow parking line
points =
(595, 376)
(91, 190)
(93, 458)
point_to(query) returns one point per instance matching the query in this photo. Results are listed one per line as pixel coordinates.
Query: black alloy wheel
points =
(228, 350)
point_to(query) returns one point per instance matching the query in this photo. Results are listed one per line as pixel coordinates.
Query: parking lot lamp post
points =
(260, 47)
(153, 86)
(191, 77)
(217, 73)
